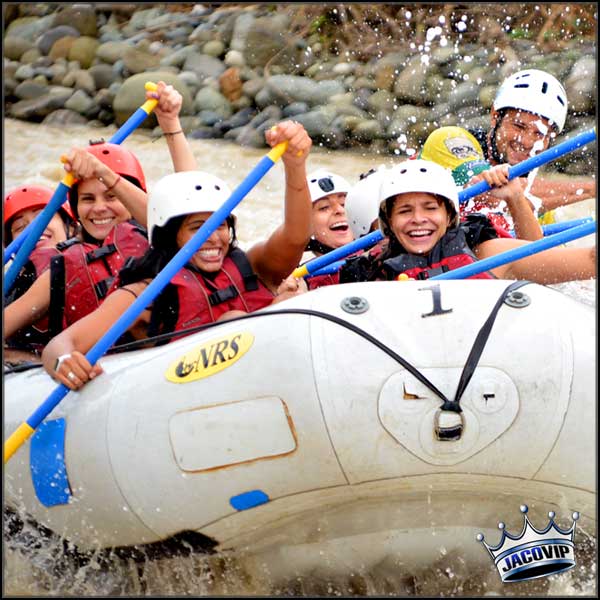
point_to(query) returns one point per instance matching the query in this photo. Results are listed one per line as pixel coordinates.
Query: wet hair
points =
(494, 153)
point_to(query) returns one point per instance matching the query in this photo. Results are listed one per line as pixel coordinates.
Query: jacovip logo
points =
(533, 553)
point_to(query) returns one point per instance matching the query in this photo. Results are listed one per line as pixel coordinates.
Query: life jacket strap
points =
(102, 287)
(101, 252)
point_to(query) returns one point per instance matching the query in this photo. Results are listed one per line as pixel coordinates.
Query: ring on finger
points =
(71, 376)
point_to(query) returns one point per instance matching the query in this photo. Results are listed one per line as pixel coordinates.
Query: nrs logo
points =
(210, 358)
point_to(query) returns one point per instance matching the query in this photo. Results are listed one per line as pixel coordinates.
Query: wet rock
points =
(25, 72)
(83, 50)
(581, 85)
(214, 48)
(204, 66)
(209, 99)
(231, 84)
(79, 102)
(80, 16)
(38, 108)
(30, 56)
(29, 89)
(247, 136)
(64, 116)
(80, 79)
(410, 83)
(139, 61)
(29, 28)
(101, 74)
(111, 52)
(295, 108)
(15, 47)
(233, 58)
(61, 48)
(46, 40)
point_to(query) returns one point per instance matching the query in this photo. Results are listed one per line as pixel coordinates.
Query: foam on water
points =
(48, 570)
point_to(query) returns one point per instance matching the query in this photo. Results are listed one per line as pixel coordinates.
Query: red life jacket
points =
(322, 280)
(203, 300)
(90, 271)
(448, 263)
(450, 253)
(497, 219)
(34, 337)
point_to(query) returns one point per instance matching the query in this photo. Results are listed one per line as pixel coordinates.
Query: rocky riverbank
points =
(242, 68)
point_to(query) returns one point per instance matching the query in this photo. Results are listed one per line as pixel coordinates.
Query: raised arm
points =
(84, 165)
(167, 112)
(512, 192)
(555, 193)
(275, 258)
(555, 265)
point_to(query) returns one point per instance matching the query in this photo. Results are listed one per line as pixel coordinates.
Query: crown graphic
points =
(533, 553)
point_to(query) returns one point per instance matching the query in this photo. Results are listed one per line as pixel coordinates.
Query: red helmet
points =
(28, 197)
(118, 159)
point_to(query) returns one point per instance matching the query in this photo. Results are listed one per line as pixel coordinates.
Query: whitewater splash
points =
(37, 566)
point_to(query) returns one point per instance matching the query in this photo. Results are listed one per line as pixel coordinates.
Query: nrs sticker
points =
(210, 358)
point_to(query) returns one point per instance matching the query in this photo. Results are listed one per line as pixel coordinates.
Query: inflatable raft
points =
(331, 422)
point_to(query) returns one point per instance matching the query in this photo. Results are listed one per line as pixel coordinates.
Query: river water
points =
(31, 154)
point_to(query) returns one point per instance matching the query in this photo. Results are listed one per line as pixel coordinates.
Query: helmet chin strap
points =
(494, 153)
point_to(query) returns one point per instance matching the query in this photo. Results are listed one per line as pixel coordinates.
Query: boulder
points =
(131, 95)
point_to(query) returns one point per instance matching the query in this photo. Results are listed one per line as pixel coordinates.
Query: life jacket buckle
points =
(94, 255)
(228, 293)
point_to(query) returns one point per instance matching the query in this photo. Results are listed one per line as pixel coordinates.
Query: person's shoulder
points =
(477, 228)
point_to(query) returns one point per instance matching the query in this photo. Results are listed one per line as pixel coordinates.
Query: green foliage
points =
(520, 33)
(317, 23)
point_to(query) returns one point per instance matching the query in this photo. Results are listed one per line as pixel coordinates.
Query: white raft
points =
(293, 433)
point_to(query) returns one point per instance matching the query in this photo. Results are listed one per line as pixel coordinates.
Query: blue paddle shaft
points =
(359, 244)
(158, 283)
(134, 121)
(553, 228)
(463, 196)
(528, 249)
(549, 229)
(329, 269)
(16, 243)
(35, 229)
(531, 163)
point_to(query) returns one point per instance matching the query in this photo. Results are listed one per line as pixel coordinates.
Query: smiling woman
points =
(330, 228)
(83, 271)
(218, 281)
(419, 216)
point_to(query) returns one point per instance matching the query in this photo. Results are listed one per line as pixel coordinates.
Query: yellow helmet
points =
(450, 147)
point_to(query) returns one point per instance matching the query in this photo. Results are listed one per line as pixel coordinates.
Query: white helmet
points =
(362, 202)
(184, 193)
(537, 92)
(321, 183)
(418, 176)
